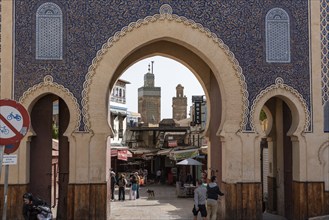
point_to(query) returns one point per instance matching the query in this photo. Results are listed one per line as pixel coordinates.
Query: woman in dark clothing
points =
(133, 188)
(32, 207)
(122, 182)
(113, 183)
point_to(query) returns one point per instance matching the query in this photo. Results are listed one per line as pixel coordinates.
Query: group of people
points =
(134, 184)
(205, 199)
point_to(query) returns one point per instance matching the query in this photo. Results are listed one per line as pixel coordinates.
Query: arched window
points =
(277, 36)
(49, 32)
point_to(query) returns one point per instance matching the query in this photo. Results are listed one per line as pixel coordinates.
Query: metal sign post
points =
(4, 214)
(14, 124)
(2, 149)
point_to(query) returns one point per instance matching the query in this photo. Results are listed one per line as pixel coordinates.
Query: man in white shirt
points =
(200, 197)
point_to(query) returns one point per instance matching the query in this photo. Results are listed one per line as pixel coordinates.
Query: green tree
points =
(262, 115)
(55, 131)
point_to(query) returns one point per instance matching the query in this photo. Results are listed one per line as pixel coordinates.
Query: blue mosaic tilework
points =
(88, 25)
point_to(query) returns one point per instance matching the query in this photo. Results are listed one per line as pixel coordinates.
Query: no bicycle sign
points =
(14, 122)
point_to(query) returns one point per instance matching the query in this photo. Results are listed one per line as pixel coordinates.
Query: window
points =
(49, 32)
(277, 36)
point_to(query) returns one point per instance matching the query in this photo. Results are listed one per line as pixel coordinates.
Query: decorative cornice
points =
(279, 84)
(49, 83)
(165, 14)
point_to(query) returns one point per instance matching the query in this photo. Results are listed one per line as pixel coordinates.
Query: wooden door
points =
(41, 148)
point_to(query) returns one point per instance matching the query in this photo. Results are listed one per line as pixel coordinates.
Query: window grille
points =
(49, 32)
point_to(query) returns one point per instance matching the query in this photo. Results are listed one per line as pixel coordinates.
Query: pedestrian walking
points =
(200, 196)
(133, 188)
(122, 182)
(213, 193)
(138, 180)
(158, 176)
(113, 183)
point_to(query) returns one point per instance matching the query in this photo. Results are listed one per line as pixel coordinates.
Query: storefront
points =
(119, 154)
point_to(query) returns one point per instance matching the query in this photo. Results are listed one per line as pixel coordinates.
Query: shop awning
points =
(118, 111)
(175, 133)
(204, 149)
(121, 152)
(164, 151)
(148, 151)
(122, 155)
(119, 147)
(184, 154)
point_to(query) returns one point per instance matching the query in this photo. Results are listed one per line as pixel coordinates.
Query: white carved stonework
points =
(50, 86)
(324, 25)
(323, 156)
(279, 84)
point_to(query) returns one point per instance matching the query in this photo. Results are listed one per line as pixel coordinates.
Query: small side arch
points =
(46, 87)
(295, 101)
(323, 155)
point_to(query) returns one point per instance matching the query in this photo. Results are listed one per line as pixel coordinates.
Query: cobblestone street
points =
(165, 205)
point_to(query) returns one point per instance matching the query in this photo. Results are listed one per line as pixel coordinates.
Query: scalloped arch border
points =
(324, 163)
(49, 83)
(151, 19)
(279, 83)
(322, 147)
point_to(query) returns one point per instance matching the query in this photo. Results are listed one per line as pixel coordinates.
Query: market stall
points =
(182, 189)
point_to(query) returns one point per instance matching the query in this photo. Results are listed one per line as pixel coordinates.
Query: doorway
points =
(276, 152)
(49, 153)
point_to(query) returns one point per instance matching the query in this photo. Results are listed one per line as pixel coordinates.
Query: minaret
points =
(179, 104)
(149, 99)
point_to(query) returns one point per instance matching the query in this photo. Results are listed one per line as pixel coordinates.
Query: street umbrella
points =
(189, 161)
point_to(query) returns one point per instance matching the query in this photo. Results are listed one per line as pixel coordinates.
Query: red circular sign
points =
(11, 148)
(14, 122)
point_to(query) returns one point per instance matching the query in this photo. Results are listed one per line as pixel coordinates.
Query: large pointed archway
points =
(204, 54)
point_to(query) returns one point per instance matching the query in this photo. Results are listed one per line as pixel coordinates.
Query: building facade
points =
(249, 56)
(118, 112)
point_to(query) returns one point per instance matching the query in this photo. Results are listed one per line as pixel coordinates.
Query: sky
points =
(168, 73)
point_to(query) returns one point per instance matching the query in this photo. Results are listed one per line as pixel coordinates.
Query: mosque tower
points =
(149, 99)
(179, 104)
